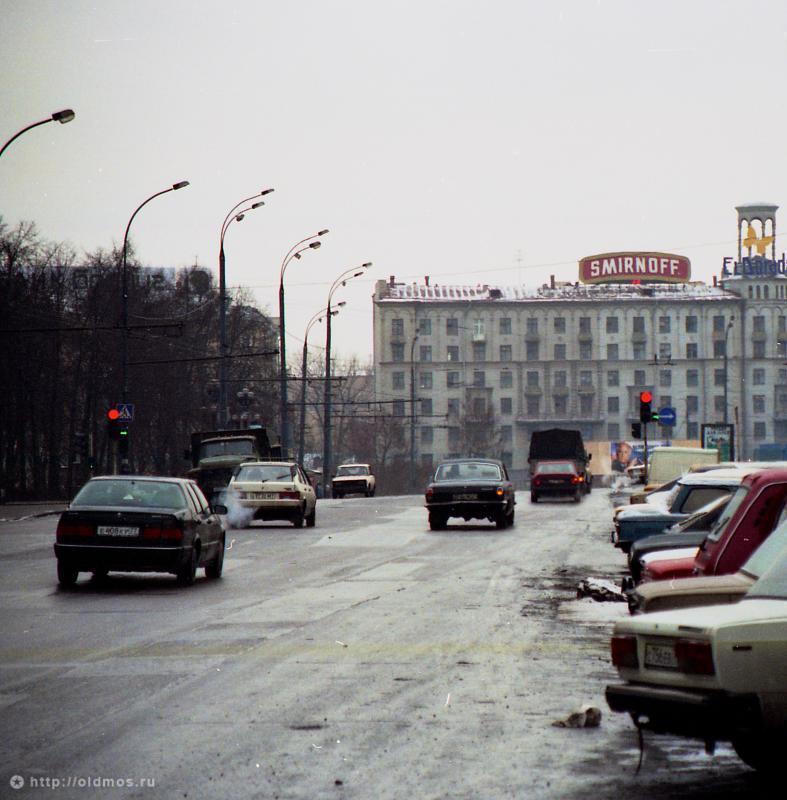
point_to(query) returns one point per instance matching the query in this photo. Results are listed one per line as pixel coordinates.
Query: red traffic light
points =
(645, 397)
(113, 413)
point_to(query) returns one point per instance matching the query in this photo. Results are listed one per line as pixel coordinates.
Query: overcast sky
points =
(475, 142)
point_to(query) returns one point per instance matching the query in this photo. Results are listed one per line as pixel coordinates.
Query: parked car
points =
(705, 590)
(470, 488)
(690, 493)
(274, 490)
(123, 523)
(353, 479)
(714, 673)
(557, 479)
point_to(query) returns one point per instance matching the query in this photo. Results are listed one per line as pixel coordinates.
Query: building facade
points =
(502, 362)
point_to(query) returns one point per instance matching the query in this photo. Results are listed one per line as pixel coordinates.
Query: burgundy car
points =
(557, 479)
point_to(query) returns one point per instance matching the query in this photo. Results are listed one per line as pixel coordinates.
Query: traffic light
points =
(636, 430)
(113, 424)
(645, 411)
(123, 442)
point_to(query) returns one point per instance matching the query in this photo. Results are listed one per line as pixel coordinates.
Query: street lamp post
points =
(347, 275)
(412, 411)
(66, 115)
(318, 317)
(294, 252)
(232, 216)
(726, 360)
(124, 279)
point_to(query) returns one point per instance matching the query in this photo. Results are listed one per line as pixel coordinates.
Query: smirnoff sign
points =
(634, 268)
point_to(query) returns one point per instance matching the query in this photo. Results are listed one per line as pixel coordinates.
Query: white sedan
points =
(714, 673)
(272, 490)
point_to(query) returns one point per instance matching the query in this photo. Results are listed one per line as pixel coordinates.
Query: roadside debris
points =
(600, 590)
(585, 717)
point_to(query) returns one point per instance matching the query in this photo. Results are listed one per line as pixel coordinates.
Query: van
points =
(667, 463)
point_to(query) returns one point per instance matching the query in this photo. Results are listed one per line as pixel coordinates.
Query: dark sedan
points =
(470, 488)
(139, 524)
(557, 479)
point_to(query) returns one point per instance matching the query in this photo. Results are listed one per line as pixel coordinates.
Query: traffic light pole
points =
(645, 451)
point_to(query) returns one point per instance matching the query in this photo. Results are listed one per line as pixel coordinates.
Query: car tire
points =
(501, 519)
(437, 522)
(187, 572)
(66, 574)
(297, 520)
(311, 519)
(214, 569)
(510, 518)
(371, 492)
(762, 752)
(533, 497)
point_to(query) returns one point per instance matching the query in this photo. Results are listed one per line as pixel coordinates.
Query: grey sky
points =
(432, 138)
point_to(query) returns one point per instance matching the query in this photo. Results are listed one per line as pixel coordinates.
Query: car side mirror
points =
(218, 508)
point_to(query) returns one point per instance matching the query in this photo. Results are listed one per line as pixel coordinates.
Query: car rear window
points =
(265, 472)
(557, 468)
(470, 470)
(124, 492)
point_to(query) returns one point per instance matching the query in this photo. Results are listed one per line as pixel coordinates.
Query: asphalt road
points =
(364, 658)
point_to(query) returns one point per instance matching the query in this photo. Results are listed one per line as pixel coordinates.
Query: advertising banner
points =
(722, 437)
(635, 267)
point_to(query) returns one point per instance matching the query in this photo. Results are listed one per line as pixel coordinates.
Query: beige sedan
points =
(271, 490)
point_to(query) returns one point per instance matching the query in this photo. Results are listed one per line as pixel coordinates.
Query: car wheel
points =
(437, 522)
(533, 497)
(371, 493)
(510, 518)
(297, 520)
(213, 570)
(311, 519)
(501, 519)
(66, 574)
(760, 752)
(187, 573)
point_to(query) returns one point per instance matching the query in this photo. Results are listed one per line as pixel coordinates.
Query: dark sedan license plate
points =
(117, 530)
(466, 496)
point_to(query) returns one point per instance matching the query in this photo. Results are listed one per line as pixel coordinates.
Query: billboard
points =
(634, 267)
(720, 436)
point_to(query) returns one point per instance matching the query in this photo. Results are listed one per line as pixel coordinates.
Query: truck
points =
(215, 455)
(560, 444)
(667, 463)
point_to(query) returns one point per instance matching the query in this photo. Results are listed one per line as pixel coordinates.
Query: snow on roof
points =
(622, 292)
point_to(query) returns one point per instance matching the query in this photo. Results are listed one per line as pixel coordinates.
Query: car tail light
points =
(536, 481)
(695, 658)
(169, 532)
(66, 529)
(500, 491)
(429, 493)
(624, 651)
(288, 494)
(576, 479)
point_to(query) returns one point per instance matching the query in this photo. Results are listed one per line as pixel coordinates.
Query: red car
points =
(555, 479)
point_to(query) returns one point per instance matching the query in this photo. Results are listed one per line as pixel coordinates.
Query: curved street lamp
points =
(347, 275)
(294, 252)
(66, 115)
(124, 321)
(232, 216)
(318, 317)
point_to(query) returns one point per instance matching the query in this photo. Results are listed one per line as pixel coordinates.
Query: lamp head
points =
(257, 204)
(66, 115)
(297, 255)
(367, 265)
(180, 185)
(239, 217)
(265, 191)
(322, 232)
(315, 245)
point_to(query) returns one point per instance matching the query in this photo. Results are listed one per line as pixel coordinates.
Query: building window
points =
(560, 324)
(479, 407)
(397, 351)
(533, 405)
(397, 380)
(561, 405)
(479, 329)
(692, 430)
(691, 324)
(758, 403)
(479, 378)
(585, 377)
(665, 377)
(452, 326)
(639, 377)
(718, 324)
(759, 430)
(505, 325)
(479, 351)
(425, 327)
(638, 324)
(453, 437)
(718, 403)
(584, 324)
(532, 351)
(453, 352)
(666, 401)
(692, 403)
(426, 352)
(613, 405)
(665, 350)
(532, 378)
(451, 379)
(758, 376)
(759, 324)
(426, 407)
(506, 433)
(638, 351)
(613, 431)
(506, 379)
(397, 326)
(612, 352)
(559, 378)
(560, 352)
(718, 377)
(505, 352)
(719, 348)
(507, 457)
(612, 324)
(664, 324)
(692, 377)
(425, 380)
(452, 406)
(398, 408)
(613, 378)
(759, 349)
(585, 351)
(506, 405)
(531, 326)
(586, 404)
(692, 350)
(427, 460)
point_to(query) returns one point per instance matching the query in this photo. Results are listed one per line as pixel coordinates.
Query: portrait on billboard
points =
(624, 455)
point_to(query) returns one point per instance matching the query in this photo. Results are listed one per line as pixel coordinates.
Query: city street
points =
(364, 658)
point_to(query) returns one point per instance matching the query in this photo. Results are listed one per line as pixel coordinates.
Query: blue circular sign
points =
(667, 416)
